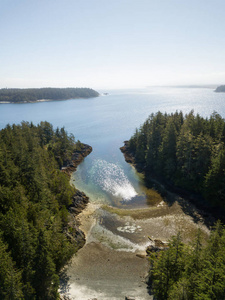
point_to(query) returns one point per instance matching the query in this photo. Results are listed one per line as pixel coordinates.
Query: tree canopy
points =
(34, 197)
(193, 271)
(185, 151)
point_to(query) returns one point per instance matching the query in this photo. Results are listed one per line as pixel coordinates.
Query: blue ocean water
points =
(104, 123)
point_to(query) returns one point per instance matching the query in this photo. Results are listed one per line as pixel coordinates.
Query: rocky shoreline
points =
(208, 213)
(77, 157)
(80, 200)
(130, 159)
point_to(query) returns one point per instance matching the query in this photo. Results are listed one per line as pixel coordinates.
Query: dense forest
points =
(193, 271)
(184, 151)
(220, 89)
(31, 95)
(34, 219)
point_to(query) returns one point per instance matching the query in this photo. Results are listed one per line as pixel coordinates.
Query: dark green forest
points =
(34, 197)
(193, 271)
(31, 95)
(185, 151)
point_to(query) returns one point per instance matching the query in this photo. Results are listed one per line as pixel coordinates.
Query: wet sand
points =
(102, 273)
(100, 270)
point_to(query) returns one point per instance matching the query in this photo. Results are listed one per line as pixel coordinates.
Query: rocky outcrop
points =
(77, 157)
(129, 157)
(156, 247)
(80, 200)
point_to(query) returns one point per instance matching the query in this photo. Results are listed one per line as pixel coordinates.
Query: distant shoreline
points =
(33, 95)
(39, 100)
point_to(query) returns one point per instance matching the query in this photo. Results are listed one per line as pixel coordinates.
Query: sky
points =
(107, 44)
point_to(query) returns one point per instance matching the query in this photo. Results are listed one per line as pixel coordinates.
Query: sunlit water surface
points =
(104, 123)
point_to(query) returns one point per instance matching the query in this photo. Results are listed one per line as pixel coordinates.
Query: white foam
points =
(111, 178)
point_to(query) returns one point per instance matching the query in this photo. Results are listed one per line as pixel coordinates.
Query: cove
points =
(122, 213)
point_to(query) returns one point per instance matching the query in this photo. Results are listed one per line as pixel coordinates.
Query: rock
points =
(77, 157)
(130, 158)
(80, 200)
(159, 246)
(129, 298)
(159, 243)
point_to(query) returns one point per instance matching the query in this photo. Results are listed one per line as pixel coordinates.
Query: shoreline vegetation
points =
(39, 230)
(33, 95)
(186, 155)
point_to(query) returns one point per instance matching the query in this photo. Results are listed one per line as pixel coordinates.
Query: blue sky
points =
(111, 43)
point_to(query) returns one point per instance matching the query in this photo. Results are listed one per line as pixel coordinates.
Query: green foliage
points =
(187, 151)
(10, 278)
(34, 197)
(191, 271)
(31, 95)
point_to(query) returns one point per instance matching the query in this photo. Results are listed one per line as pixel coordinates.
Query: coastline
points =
(77, 158)
(207, 213)
(113, 262)
(41, 100)
(79, 200)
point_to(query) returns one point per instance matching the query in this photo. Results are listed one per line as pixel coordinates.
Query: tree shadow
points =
(192, 204)
(64, 282)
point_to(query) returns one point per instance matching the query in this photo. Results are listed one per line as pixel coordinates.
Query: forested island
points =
(220, 89)
(38, 206)
(32, 95)
(185, 152)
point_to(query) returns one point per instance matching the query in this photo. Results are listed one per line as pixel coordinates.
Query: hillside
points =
(38, 235)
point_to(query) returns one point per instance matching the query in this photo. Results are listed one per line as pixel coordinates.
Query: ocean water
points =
(104, 123)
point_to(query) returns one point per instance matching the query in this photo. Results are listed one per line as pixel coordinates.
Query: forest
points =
(185, 151)
(193, 271)
(31, 95)
(188, 152)
(34, 219)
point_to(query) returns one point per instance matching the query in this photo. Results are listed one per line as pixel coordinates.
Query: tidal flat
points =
(113, 262)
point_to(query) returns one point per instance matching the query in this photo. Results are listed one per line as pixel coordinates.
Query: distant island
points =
(41, 94)
(220, 89)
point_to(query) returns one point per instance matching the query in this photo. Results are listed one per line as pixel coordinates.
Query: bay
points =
(104, 123)
(107, 266)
